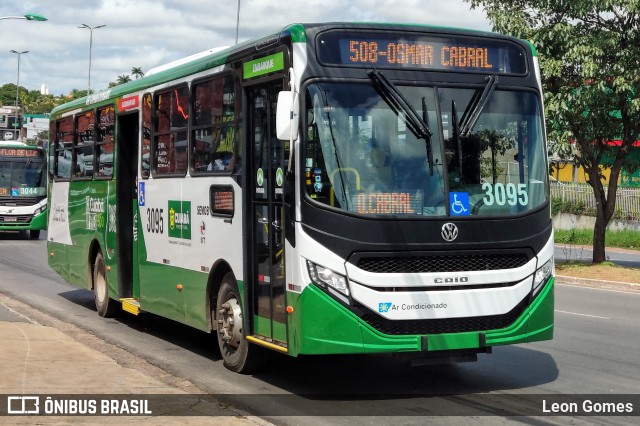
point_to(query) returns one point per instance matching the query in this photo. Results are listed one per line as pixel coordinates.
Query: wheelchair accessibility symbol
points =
(141, 200)
(459, 203)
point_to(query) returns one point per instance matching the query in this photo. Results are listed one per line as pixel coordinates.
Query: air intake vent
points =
(19, 202)
(442, 263)
(16, 219)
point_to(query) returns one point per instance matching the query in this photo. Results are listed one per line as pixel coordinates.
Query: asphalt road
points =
(595, 351)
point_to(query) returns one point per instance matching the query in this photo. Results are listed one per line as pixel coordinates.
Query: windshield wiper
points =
(327, 109)
(476, 105)
(392, 96)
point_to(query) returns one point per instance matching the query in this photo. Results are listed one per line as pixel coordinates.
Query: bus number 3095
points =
(155, 221)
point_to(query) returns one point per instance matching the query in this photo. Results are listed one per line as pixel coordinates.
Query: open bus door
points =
(127, 210)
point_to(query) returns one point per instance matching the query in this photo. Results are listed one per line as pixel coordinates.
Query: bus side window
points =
(52, 150)
(170, 132)
(105, 143)
(145, 166)
(84, 144)
(64, 145)
(213, 125)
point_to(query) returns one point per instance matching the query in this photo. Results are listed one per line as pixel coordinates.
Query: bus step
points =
(131, 305)
(260, 340)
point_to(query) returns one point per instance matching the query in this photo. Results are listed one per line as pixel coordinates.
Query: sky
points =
(149, 33)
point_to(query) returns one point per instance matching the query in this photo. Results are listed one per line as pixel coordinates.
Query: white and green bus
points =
(326, 189)
(23, 188)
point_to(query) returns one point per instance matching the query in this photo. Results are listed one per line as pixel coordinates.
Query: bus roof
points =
(14, 144)
(219, 56)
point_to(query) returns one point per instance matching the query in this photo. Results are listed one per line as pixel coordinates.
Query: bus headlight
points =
(325, 277)
(542, 275)
(40, 210)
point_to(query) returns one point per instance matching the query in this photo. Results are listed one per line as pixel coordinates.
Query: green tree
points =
(123, 79)
(588, 52)
(75, 93)
(8, 94)
(137, 72)
(32, 101)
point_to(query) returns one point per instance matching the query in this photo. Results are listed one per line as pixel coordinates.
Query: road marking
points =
(582, 315)
(601, 289)
(18, 314)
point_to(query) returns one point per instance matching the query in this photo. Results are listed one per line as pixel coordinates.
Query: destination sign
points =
(19, 152)
(221, 200)
(263, 65)
(410, 50)
(131, 102)
(388, 203)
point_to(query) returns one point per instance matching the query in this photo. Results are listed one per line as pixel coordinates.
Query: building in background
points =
(36, 127)
(10, 123)
(31, 128)
(568, 171)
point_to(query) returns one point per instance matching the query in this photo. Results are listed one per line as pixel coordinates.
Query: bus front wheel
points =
(238, 354)
(34, 234)
(105, 306)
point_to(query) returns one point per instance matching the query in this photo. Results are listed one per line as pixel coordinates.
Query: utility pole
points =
(15, 124)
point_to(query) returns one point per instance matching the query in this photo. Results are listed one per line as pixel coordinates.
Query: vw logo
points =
(449, 232)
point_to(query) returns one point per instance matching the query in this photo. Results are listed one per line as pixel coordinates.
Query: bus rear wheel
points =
(238, 354)
(105, 306)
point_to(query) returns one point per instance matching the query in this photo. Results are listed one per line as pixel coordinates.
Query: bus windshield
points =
(362, 155)
(22, 178)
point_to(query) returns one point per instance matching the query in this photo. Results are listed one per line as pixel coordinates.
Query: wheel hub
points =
(230, 323)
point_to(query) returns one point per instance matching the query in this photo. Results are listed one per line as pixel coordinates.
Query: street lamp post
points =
(15, 124)
(238, 22)
(28, 17)
(90, 47)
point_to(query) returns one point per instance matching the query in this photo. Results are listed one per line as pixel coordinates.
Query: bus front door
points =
(268, 156)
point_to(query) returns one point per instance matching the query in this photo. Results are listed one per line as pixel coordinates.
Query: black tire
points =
(238, 354)
(34, 234)
(105, 306)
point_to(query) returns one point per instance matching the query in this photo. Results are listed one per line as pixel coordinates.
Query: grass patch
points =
(623, 239)
(605, 271)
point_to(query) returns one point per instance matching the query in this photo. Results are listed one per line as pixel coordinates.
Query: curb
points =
(563, 246)
(589, 282)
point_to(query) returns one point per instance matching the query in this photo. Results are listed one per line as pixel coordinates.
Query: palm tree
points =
(137, 72)
(123, 79)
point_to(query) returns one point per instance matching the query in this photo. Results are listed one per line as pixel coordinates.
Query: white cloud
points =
(144, 33)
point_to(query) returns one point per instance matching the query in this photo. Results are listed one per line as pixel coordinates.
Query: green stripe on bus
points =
(320, 325)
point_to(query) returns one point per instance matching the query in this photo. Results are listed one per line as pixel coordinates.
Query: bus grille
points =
(15, 220)
(444, 325)
(19, 202)
(442, 263)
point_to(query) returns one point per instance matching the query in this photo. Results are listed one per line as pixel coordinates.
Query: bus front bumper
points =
(16, 223)
(320, 325)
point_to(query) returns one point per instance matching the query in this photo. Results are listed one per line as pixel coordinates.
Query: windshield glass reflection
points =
(361, 157)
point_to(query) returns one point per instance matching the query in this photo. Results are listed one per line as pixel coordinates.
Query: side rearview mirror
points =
(287, 116)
